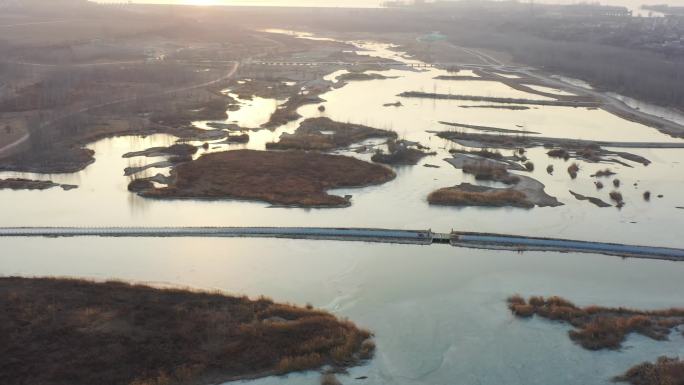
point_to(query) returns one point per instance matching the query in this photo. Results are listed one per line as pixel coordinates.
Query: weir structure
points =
(411, 237)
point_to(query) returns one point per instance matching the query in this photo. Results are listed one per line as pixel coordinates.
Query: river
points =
(439, 312)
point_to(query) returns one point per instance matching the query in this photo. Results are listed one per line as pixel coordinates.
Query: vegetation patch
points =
(467, 194)
(616, 196)
(401, 152)
(597, 327)
(60, 331)
(491, 172)
(290, 178)
(179, 149)
(360, 76)
(287, 112)
(595, 201)
(26, 184)
(665, 371)
(324, 134)
(603, 173)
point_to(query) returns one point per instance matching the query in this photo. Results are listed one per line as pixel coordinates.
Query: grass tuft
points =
(599, 327)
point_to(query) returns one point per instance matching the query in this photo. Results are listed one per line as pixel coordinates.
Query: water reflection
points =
(103, 199)
(438, 313)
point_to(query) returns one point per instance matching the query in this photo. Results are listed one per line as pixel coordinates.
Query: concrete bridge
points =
(414, 237)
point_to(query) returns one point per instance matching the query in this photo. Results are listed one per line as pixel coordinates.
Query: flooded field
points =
(439, 313)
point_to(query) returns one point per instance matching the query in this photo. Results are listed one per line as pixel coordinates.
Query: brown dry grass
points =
(665, 371)
(58, 331)
(490, 171)
(599, 327)
(25, 184)
(529, 166)
(310, 135)
(400, 153)
(617, 198)
(559, 153)
(329, 379)
(458, 196)
(603, 173)
(487, 153)
(292, 178)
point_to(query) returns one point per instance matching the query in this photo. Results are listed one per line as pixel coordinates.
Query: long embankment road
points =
(414, 237)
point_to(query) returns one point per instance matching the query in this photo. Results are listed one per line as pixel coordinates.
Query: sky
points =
(375, 3)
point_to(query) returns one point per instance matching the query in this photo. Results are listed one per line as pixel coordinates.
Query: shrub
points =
(367, 349)
(573, 170)
(559, 153)
(496, 198)
(529, 166)
(616, 196)
(521, 310)
(603, 173)
(536, 301)
(665, 371)
(487, 153)
(329, 379)
(490, 171)
(616, 183)
(599, 327)
(516, 299)
(115, 333)
(549, 169)
(647, 195)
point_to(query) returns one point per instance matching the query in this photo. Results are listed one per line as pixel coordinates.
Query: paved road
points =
(345, 234)
(416, 237)
(512, 242)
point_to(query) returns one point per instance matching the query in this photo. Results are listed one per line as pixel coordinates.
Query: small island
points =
(30, 184)
(664, 371)
(63, 331)
(598, 327)
(287, 178)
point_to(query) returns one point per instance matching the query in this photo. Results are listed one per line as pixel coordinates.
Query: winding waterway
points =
(438, 312)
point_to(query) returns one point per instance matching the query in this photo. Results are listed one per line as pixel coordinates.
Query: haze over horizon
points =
(369, 3)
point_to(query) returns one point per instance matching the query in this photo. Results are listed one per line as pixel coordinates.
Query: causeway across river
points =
(415, 237)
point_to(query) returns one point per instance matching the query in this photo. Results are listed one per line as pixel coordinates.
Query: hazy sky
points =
(375, 3)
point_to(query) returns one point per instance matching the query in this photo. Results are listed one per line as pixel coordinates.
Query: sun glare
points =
(202, 2)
